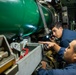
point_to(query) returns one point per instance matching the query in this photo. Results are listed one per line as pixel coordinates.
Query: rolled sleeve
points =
(42, 72)
(45, 72)
(60, 54)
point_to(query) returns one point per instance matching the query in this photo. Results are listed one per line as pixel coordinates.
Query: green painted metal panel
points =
(22, 16)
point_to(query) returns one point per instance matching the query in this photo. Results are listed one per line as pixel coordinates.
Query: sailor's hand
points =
(44, 64)
(49, 44)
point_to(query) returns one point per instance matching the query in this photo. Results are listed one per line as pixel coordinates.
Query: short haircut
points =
(57, 25)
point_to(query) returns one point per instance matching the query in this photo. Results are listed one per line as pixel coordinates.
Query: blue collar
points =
(72, 66)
